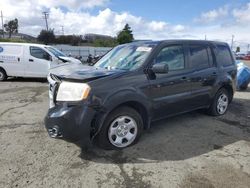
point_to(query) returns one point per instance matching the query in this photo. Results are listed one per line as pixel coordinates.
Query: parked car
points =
(29, 60)
(239, 56)
(246, 57)
(243, 76)
(135, 84)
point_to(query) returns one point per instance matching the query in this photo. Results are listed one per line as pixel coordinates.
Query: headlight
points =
(70, 91)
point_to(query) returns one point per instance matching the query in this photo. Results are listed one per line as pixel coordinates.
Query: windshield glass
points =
(55, 51)
(126, 57)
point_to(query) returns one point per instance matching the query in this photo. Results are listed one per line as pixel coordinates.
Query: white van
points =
(29, 60)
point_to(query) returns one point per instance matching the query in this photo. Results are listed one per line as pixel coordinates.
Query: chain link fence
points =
(82, 51)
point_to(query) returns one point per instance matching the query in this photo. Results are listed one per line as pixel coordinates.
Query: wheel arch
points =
(229, 89)
(1, 68)
(137, 102)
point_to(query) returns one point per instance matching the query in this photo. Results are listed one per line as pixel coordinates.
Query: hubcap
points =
(222, 103)
(122, 131)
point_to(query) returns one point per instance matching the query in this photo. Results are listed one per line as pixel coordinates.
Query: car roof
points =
(179, 40)
(23, 44)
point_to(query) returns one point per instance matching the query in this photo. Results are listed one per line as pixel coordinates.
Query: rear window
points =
(199, 56)
(223, 55)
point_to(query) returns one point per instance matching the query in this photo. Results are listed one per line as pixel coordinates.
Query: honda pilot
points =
(112, 102)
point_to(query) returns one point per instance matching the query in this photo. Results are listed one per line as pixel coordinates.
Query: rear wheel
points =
(3, 75)
(122, 128)
(220, 103)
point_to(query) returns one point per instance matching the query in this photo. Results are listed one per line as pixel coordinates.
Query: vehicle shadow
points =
(19, 79)
(182, 137)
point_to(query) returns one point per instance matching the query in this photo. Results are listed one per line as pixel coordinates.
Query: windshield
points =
(55, 51)
(125, 57)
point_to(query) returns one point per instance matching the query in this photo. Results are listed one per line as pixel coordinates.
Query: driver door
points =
(171, 91)
(38, 62)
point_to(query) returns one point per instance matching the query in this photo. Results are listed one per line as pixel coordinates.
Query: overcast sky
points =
(150, 19)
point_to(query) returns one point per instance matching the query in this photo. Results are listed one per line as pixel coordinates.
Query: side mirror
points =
(160, 68)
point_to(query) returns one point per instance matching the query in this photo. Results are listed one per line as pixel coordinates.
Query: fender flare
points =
(119, 98)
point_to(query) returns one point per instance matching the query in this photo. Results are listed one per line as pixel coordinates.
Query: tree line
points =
(123, 36)
(48, 36)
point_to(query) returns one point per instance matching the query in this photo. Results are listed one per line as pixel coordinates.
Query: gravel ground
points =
(191, 150)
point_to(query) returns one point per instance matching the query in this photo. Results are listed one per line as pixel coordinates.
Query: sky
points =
(149, 19)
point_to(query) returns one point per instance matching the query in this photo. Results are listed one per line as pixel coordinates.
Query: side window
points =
(199, 56)
(223, 55)
(173, 56)
(39, 53)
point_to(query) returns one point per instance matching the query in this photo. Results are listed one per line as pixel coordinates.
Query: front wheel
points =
(220, 103)
(122, 128)
(3, 75)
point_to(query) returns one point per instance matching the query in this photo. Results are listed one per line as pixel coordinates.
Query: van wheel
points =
(122, 128)
(3, 75)
(220, 103)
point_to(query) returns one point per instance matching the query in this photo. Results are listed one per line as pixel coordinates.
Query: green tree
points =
(11, 27)
(109, 42)
(46, 37)
(125, 35)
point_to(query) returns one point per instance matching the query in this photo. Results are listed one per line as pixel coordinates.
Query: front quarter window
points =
(125, 57)
(173, 56)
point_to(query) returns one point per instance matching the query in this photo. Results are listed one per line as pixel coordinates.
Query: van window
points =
(199, 56)
(223, 55)
(173, 56)
(39, 53)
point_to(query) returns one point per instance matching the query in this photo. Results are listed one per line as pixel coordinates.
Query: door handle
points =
(214, 73)
(31, 60)
(184, 78)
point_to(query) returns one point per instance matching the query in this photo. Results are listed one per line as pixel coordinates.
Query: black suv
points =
(134, 84)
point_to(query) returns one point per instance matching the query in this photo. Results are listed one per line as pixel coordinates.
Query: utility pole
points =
(2, 23)
(62, 30)
(248, 46)
(232, 43)
(205, 37)
(46, 16)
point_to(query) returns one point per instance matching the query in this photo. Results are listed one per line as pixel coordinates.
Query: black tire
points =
(3, 75)
(213, 110)
(103, 138)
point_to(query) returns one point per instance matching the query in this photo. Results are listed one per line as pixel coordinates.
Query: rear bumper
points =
(71, 123)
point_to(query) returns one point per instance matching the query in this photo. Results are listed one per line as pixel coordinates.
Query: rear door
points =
(205, 73)
(171, 92)
(38, 61)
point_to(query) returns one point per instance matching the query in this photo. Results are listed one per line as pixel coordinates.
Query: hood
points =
(81, 72)
(69, 59)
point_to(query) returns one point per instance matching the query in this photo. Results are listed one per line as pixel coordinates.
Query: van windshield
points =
(55, 52)
(126, 57)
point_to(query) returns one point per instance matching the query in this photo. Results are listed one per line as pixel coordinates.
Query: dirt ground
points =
(191, 150)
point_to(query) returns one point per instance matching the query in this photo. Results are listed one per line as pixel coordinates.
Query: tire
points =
(217, 109)
(3, 75)
(122, 128)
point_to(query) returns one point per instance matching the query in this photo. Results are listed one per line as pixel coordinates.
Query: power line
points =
(232, 43)
(62, 30)
(46, 16)
(2, 23)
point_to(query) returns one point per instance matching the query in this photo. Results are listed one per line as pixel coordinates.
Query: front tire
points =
(220, 103)
(3, 75)
(122, 128)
